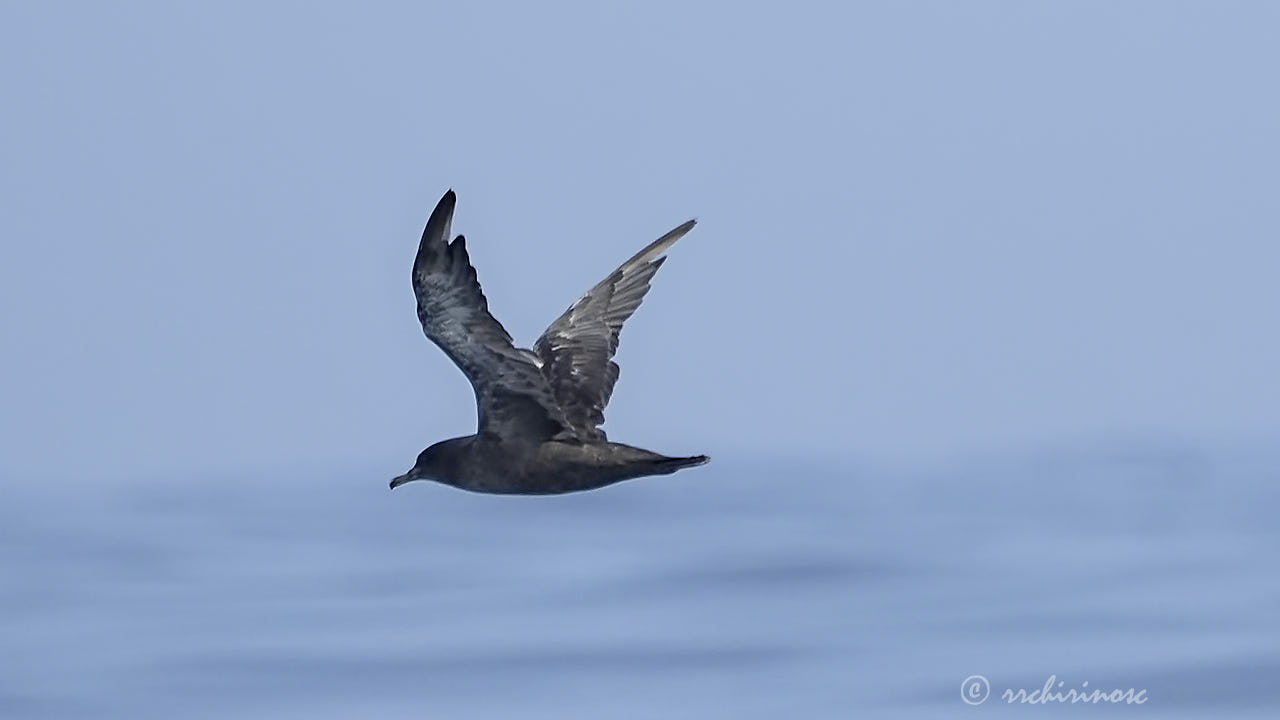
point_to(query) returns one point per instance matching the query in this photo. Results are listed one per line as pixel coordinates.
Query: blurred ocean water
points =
(739, 590)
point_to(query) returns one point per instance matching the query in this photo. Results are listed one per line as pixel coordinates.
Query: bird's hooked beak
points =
(407, 477)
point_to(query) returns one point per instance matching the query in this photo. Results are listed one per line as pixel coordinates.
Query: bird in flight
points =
(539, 411)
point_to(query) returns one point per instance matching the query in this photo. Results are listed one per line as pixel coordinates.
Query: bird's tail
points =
(667, 465)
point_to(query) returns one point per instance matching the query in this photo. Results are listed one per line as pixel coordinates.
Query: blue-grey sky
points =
(925, 228)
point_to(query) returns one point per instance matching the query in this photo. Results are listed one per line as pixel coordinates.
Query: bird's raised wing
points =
(577, 350)
(513, 398)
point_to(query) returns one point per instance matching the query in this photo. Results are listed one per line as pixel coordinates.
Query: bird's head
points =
(437, 462)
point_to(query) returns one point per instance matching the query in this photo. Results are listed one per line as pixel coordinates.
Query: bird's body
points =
(549, 467)
(539, 410)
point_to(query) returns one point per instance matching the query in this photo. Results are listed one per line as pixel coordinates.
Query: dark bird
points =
(539, 411)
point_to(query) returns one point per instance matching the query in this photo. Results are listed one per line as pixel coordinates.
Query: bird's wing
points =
(577, 350)
(513, 398)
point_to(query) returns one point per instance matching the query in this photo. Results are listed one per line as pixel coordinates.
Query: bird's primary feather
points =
(577, 349)
(513, 398)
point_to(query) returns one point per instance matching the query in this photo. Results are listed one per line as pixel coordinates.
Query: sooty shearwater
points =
(539, 411)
